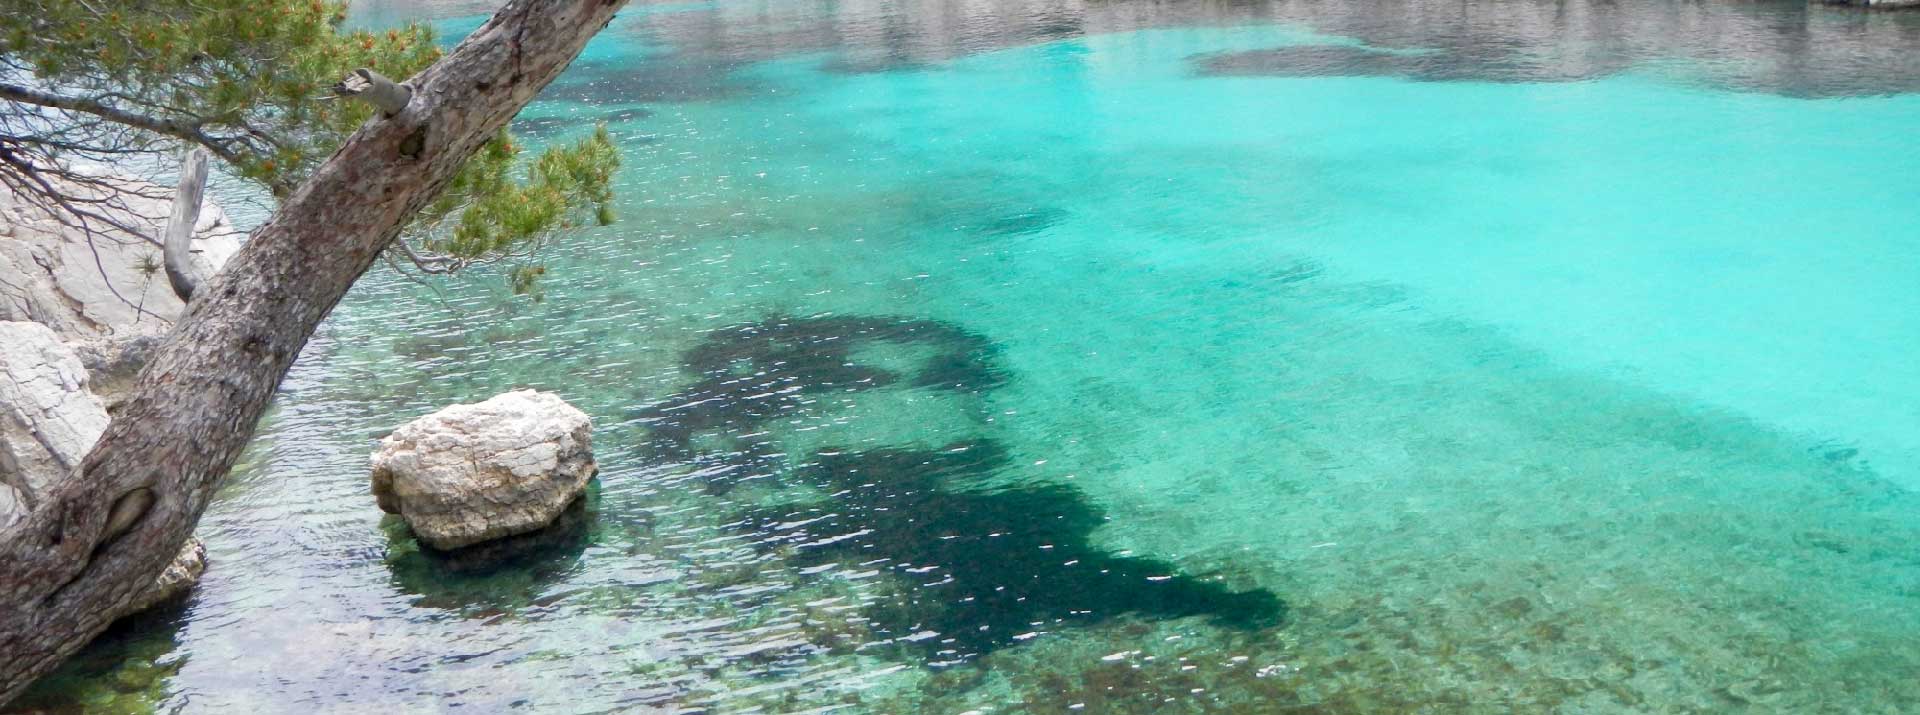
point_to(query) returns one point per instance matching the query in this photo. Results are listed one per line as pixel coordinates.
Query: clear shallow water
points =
(1257, 358)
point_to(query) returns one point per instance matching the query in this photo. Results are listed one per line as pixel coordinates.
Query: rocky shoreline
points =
(78, 316)
(105, 288)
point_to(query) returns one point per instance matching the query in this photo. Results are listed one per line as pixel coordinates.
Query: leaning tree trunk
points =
(94, 542)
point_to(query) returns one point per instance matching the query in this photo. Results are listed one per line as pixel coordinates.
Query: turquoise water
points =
(1253, 358)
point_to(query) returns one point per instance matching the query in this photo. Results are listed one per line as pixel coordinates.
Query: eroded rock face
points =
(89, 314)
(471, 473)
(114, 364)
(108, 288)
(48, 421)
(48, 418)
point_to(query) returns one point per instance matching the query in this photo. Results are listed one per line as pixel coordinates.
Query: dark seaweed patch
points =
(753, 374)
(982, 569)
(975, 569)
(1474, 64)
(1021, 223)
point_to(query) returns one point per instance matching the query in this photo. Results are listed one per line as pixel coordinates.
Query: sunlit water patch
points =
(1133, 357)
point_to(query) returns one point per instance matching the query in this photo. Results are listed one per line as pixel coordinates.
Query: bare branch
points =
(429, 263)
(190, 131)
(371, 87)
(179, 234)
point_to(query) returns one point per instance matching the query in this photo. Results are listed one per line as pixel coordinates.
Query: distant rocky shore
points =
(1873, 3)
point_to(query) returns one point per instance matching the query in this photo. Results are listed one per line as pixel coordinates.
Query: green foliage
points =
(525, 280)
(511, 214)
(486, 214)
(255, 73)
(252, 80)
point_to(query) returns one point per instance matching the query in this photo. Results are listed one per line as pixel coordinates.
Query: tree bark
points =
(177, 241)
(95, 541)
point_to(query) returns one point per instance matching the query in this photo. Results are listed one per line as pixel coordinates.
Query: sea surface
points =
(1124, 356)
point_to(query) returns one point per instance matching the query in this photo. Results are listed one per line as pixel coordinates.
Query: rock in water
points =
(179, 578)
(48, 421)
(470, 473)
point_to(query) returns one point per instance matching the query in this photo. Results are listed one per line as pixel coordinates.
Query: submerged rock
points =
(48, 421)
(981, 569)
(973, 567)
(476, 472)
(757, 373)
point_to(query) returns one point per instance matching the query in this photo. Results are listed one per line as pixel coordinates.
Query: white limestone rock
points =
(87, 290)
(48, 418)
(475, 472)
(97, 297)
(182, 574)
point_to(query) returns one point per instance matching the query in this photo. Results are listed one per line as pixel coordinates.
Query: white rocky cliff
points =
(109, 288)
(78, 315)
(48, 417)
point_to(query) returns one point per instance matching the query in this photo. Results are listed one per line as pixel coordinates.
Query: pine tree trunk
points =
(95, 541)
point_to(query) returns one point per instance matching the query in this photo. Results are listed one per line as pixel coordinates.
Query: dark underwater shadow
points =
(754, 374)
(972, 569)
(488, 578)
(981, 570)
(124, 669)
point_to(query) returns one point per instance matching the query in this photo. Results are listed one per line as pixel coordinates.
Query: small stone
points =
(175, 582)
(135, 675)
(476, 472)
